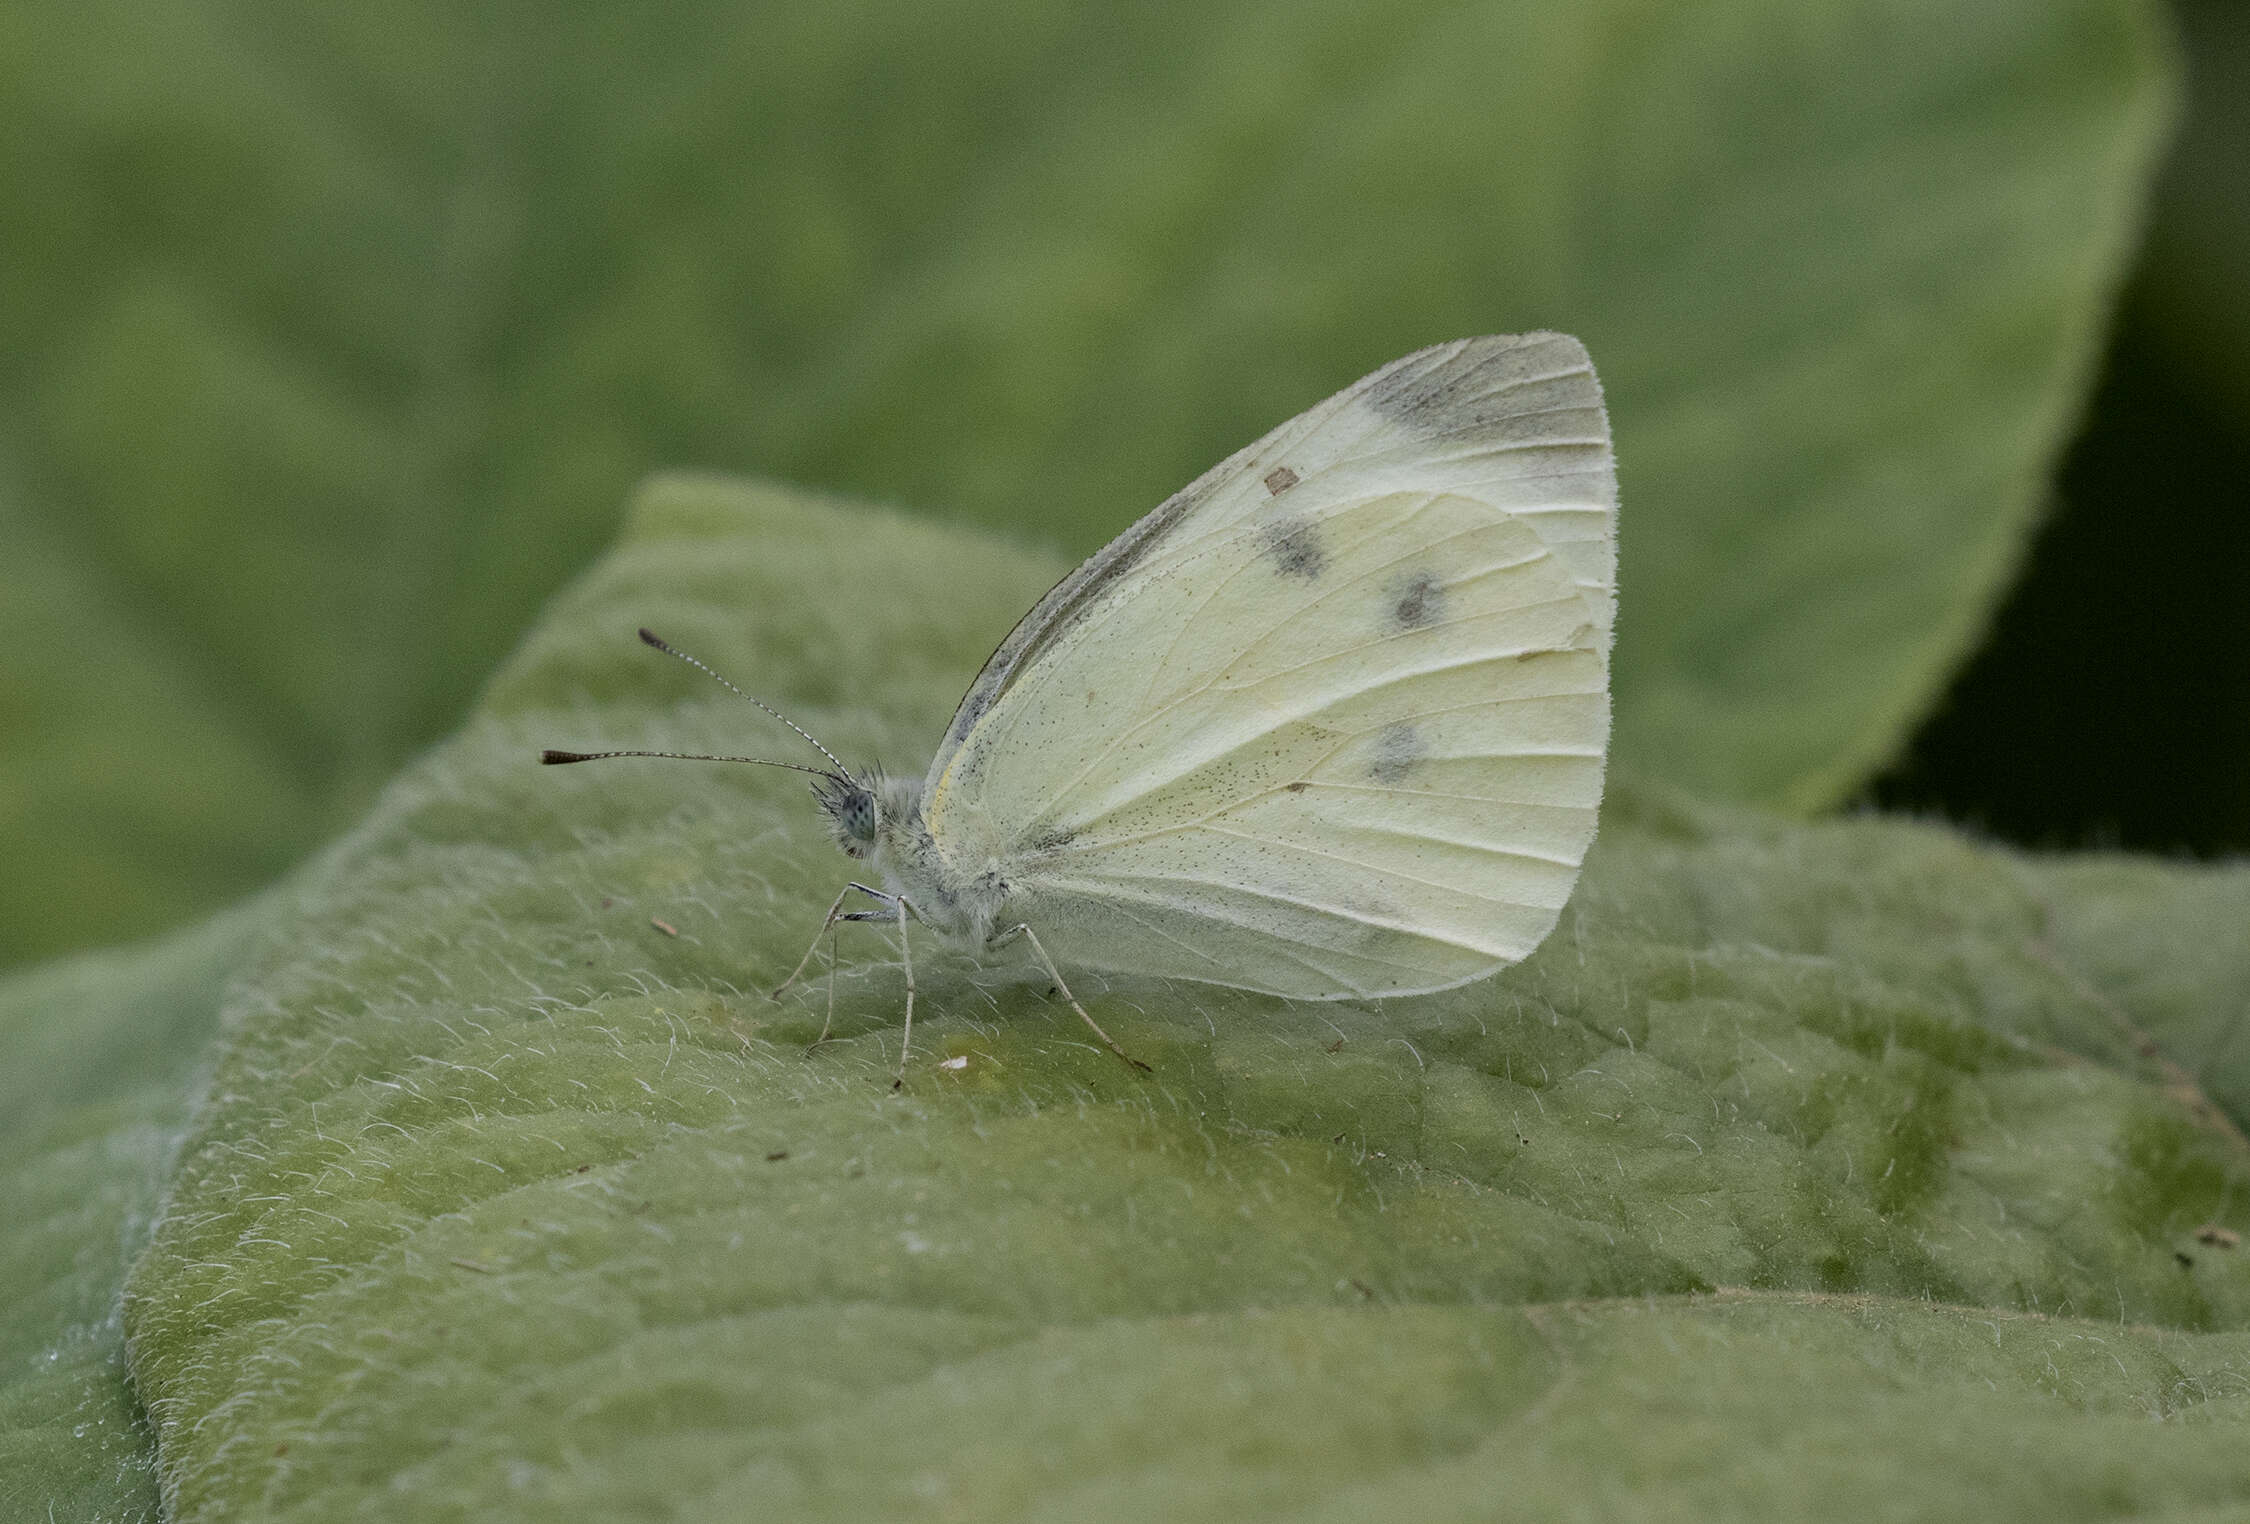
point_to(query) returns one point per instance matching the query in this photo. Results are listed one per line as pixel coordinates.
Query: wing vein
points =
(1115, 896)
(1424, 933)
(1381, 872)
(1421, 633)
(1253, 737)
(1346, 738)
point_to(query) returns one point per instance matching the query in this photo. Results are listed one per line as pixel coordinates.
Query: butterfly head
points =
(854, 810)
(872, 814)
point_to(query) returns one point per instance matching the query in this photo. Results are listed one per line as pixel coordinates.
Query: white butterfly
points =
(1328, 724)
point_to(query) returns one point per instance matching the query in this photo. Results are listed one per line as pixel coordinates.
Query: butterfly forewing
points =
(1331, 722)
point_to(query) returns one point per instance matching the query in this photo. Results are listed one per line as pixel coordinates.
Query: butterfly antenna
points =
(650, 637)
(555, 758)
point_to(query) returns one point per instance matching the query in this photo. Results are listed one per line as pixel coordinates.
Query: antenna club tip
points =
(553, 758)
(650, 638)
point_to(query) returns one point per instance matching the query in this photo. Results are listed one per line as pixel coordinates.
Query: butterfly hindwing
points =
(1332, 721)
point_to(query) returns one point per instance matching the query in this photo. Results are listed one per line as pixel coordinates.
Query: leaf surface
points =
(1800, 1160)
(99, 1059)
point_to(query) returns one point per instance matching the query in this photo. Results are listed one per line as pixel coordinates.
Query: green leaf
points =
(2162, 947)
(98, 1059)
(330, 337)
(1800, 1161)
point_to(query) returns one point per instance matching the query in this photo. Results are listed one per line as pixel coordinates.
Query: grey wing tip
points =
(1491, 356)
(1486, 344)
(1470, 386)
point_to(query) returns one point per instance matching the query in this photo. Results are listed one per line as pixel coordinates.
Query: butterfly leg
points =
(894, 905)
(836, 912)
(905, 956)
(830, 1019)
(1023, 929)
(900, 906)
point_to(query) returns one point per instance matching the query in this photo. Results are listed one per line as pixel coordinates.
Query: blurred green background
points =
(2110, 704)
(333, 339)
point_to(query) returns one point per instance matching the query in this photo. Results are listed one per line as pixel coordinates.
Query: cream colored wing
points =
(1330, 722)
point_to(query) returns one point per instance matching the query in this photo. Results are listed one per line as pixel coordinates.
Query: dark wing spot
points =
(1397, 749)
(1298, 787)
(1418, 602)
(1295, 547)
(1370, 906)
(1052, 840)
(1280, 479)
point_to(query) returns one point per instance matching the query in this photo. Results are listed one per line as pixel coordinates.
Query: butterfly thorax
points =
(878, 819)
